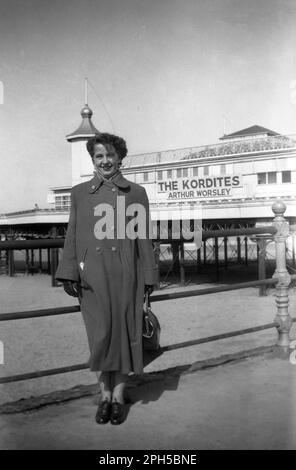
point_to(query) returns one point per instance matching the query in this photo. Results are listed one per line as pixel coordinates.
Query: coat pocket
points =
(81, 262)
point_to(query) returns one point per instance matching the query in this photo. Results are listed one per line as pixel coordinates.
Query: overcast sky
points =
(166, 70)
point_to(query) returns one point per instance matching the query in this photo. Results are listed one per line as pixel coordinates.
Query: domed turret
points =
(86, 128)
(86, 112)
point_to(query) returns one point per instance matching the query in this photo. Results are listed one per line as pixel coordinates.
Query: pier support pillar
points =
(239, 256)
(262, 242)
(205, 252)
(175, 261)
(246, 251)
(182, 264)
(225, 252)
(217, 258)
(53, 265)
(11, 269)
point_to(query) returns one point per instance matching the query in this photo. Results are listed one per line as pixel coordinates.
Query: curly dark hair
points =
(118, 143)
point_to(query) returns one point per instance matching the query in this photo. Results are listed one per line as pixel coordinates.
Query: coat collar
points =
(117, 179)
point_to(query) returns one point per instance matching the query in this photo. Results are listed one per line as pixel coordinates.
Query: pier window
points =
(286, 176)
(195, 171)
(159, 175)
(169, 174)
(62, 203)
(146, 176)
(271, 177)
(223, 169)
(185, 172)
(261, 178)
(179, 173)
(206, 171)
(267, 178)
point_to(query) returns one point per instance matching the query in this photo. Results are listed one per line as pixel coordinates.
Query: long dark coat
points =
(112, 273)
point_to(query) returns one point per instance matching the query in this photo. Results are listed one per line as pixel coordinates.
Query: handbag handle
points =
(146, 310)
(147, 301)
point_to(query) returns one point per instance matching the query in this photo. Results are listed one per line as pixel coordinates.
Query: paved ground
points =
(248, 404)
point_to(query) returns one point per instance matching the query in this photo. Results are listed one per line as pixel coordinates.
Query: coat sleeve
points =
(68, 267)
(145, 248)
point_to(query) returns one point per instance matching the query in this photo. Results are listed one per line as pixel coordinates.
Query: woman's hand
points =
(71, 288)
(148, 289)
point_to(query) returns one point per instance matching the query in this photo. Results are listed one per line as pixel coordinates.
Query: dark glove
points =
(148, 289)
(71, 288)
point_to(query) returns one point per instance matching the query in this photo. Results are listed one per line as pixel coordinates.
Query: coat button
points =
(113, 248)
(98, 248)
(113, 189)
(93, 186)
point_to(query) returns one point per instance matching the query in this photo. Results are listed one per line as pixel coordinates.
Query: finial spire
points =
(85, 91)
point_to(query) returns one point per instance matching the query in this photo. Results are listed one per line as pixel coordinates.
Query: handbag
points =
(151, 328)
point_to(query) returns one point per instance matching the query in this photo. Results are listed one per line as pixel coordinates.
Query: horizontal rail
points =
(29, 244)
(212, 290)
(171, 347)
(59, 242)
(233, 232)
(153, 298)
(42, 373)
(46, 312)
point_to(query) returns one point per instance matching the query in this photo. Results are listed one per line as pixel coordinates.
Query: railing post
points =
(282, 318)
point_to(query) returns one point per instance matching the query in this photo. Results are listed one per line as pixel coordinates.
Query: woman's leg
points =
(119, 381)
(105, 385)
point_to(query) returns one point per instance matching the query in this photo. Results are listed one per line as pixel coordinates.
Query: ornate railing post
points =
(282, 318)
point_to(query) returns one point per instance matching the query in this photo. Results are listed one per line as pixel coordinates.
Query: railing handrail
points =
(59, 242)
(154, 298)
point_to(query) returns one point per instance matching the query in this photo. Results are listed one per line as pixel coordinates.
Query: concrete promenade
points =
(248, 404)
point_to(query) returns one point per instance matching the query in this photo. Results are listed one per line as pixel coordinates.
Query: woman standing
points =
(108, 262)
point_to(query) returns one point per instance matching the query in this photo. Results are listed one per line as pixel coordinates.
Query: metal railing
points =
(281, 280)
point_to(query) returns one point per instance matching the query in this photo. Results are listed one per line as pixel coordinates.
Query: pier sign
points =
(199, 188)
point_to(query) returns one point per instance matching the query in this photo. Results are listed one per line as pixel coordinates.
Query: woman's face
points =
(106, 160)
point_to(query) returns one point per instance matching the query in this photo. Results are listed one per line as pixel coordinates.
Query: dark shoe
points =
(117, 413)
(103, 412)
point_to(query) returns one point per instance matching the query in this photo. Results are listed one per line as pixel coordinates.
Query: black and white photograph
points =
(148, 227)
